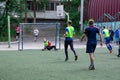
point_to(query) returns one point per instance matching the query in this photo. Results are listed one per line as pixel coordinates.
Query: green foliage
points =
(78, 34)
(72, 8)
(42, 4)
(28, 30)
(12, 8)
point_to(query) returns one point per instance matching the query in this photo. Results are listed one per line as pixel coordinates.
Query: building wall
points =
(49, 12)
(45, 15)
(96, 8)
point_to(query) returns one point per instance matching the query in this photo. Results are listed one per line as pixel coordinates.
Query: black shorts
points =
(35, 35)
(111, 38)
(17, 34)
(91, 46)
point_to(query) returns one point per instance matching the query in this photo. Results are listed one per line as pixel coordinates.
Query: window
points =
(51, 6)
(56, 4)
(30, 5)
(47, 7)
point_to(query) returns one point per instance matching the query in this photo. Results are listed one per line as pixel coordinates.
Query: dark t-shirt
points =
(91, 33)
(111, 33)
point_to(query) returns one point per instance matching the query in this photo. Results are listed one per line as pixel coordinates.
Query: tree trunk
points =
(34, 12)
(25, 11)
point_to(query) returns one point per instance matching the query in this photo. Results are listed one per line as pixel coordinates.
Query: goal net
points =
(27, 39)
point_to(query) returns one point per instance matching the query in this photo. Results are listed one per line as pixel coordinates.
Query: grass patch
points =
(50, 65)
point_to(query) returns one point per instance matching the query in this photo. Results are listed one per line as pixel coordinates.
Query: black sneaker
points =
(66, 59)
(76, 57)
(118, 55)
(91, 68)
(56, 49)
(43, 49)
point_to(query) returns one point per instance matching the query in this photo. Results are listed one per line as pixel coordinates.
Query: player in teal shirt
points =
(69, 32)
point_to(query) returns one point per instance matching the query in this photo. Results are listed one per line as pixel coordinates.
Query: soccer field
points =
(50, 65)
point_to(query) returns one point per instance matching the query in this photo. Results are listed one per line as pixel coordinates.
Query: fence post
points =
(9, 38)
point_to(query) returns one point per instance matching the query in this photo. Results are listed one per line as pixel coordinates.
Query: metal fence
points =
(50, 31)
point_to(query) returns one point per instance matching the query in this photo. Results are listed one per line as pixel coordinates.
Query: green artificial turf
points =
(50, 65)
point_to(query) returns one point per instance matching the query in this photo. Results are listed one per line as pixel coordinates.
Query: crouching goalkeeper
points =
(48, 46)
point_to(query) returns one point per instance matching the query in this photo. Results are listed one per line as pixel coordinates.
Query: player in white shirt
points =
(36, 33)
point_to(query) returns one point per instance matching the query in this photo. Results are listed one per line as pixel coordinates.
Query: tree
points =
(41, 4)
(71, 6)
(25, 7)
(34, 12)
(12, 8)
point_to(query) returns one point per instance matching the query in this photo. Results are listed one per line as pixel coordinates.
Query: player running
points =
(119, 42)
(91, 33)
(106, 36)
(69, 32)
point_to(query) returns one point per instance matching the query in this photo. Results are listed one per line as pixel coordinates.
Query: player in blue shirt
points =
(91, 33)
(119, 42)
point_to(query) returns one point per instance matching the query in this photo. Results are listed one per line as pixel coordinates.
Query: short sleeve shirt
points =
(91, 33)
(17, 29)
(70, 31)
(36, 32)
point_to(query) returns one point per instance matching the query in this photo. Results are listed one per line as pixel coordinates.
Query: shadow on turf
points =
(78, 70)
(115, 58)
(60, 61)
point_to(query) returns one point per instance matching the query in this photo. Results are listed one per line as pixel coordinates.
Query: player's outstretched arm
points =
(82, 37)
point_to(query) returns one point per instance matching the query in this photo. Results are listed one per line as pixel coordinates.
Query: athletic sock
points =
(109, 47)
(92, 64)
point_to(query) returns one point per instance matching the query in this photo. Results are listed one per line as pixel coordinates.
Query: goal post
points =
(50, 31)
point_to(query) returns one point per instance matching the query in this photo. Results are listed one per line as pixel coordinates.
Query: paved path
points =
(38, 45)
